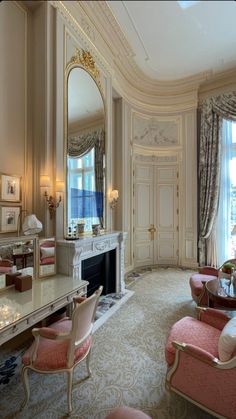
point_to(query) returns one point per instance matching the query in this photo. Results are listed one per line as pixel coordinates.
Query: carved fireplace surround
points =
(71, 253)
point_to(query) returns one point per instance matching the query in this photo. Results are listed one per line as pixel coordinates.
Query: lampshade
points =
(60, 186)
(31, 225)
(45, 181)
(114, 194)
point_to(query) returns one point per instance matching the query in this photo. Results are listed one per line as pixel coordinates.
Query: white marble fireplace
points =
(71, 253)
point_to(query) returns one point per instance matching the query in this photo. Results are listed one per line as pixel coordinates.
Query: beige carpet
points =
(127, 360)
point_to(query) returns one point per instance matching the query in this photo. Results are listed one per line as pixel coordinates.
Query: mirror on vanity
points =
(84, 146)
(47, 257)
(17, 254)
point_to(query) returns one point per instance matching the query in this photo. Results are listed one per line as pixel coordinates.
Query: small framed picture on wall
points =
(10, 188)
(9, 218)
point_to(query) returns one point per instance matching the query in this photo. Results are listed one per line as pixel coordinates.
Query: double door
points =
(156, 215)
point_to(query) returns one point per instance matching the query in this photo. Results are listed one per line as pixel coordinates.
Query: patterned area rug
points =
(10, 360)
(127, 360)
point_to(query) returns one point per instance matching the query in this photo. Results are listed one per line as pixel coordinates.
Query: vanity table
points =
(21, 310)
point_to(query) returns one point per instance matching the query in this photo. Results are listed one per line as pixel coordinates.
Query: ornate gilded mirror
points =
(85, 147)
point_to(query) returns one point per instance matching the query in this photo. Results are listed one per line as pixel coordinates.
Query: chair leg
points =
(69, 390)
(25, 379)
(88, 364)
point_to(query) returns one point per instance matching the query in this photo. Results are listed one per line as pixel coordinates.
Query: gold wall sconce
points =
(52, 202)
(113, 198)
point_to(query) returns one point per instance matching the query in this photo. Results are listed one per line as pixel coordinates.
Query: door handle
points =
(152, 230)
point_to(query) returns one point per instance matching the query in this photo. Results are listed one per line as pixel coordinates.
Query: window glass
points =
(83, 201)
(234, 133)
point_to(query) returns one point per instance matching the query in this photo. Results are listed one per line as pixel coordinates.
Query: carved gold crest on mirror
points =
(84, 146)
(85, 59)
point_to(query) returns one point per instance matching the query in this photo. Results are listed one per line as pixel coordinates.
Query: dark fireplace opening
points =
(100, 270)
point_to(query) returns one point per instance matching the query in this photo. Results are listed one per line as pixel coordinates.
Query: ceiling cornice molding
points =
(222, 81)
(100, 32)
(106, 24)
(78, 22)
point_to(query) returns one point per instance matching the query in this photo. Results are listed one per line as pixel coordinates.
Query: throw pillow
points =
(47, 252)
(227, 341)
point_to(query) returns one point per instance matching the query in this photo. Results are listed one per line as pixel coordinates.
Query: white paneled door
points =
(156, 212)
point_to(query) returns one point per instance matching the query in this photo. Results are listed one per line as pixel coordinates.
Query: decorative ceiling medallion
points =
(85, 59)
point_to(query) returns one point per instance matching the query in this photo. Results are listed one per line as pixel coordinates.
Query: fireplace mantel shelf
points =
(70, 254)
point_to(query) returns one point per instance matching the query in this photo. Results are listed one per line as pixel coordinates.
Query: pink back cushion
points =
(194, 332)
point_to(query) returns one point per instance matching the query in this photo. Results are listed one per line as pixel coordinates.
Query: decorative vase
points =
(96, 229)
(80, 228)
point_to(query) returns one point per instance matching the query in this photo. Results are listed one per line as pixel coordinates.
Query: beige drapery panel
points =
(213, 110)
(80, 145)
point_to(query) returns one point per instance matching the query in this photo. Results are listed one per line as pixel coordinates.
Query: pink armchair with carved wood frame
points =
(200, 355)
(63, 345)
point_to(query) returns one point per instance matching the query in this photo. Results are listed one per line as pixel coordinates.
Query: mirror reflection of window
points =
(82, 196)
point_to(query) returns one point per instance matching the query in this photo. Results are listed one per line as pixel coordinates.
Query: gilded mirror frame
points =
(84, 60)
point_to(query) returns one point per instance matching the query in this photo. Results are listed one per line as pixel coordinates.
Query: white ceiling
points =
(170, 42)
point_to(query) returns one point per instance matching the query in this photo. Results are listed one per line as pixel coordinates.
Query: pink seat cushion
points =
(52, 354)
(47, 261)
(195, 332)
(196, 282)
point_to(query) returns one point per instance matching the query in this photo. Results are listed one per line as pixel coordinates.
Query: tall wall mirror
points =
(17, 254)
(85, 146)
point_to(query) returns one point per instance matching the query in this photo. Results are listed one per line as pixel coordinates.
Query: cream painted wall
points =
(32, 80)
(14, 157)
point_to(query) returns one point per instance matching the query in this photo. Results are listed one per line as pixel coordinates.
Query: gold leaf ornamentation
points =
(85, 59)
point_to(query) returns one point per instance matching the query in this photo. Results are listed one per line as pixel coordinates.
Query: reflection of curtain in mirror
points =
(80, 145)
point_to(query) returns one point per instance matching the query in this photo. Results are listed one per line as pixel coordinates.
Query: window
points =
(226, 218)
(82, 197)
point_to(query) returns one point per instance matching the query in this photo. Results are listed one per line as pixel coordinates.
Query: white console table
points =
(70, 254)
(21, 310)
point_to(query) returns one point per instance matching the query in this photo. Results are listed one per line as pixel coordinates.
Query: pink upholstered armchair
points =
(5, 266)
(63, 345)
(201, 358)
(198, 280)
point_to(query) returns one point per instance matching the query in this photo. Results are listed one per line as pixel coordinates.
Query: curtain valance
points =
(80, 145)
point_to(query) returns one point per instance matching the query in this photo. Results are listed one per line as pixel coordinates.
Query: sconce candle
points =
(53, 202)
(114, 195)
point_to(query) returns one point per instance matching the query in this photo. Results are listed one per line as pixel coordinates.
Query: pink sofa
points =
(201, 361)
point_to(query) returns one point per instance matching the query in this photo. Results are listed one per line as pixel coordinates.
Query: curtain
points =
(223, 216)
(213, 110)
(80, 145)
